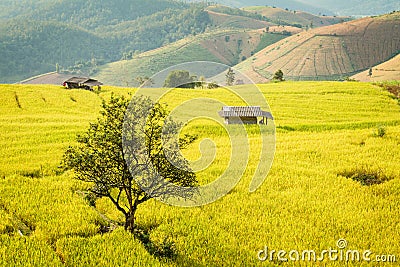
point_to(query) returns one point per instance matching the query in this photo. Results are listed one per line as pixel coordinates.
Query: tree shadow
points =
(163, 251)
(160, 250)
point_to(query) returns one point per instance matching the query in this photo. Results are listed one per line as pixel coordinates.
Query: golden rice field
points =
(324, 129)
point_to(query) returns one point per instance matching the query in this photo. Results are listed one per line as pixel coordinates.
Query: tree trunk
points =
(130, 221)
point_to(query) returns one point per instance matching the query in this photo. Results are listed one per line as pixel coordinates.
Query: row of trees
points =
(183, 79)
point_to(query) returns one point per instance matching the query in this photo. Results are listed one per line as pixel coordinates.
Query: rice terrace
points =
(109, 136)
(306, 198)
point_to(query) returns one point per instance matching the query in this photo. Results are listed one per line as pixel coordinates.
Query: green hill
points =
(30, 48)
(34, 42)
(45, 34)
(239, 35)
(88, 14)
(224, 46)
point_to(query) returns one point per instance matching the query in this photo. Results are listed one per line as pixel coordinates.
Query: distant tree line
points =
(183, 79)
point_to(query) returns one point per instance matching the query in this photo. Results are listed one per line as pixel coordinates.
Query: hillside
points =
(279, 16)
(356, 7)
(387, 71)
(11, 8)
(224, 46)
(289, 4)
(329, 53)
(35, 41)
(30, 48)
(88, 14)
(324, 130)
(240, 20)
(327, 7)
(295, 18)
(35, 37)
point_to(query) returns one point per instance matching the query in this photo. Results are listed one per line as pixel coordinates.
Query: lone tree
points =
(180, 79)
(278, 76)
(230, 77)
(127, 145)
(144, 81)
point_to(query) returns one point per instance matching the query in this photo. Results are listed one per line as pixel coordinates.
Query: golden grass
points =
(323, 129)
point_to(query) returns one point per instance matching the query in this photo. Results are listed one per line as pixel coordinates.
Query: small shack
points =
(82, 83)
(244, 115)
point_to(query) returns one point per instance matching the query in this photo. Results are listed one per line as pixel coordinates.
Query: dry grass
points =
(387, 71)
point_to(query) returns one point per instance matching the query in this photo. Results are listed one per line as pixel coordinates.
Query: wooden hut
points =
(83, 83)
(245, 115)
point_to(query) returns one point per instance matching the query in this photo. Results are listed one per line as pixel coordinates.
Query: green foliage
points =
(158, 29)
(101, 157)
(268, 39)
(179, 79)
(92, 14)
(278, 76)
(380, 131)
(230, 77)
(213, 85)
(143, 81)
(102, 32)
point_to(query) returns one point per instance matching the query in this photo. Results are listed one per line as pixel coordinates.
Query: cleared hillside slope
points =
(329, 53)
(387, 71)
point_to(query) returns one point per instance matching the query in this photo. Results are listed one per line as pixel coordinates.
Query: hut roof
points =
(48, 78)
(244, 112)
(83, 80)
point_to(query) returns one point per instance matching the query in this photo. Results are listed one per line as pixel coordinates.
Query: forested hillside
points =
(80, 35)
(31, 47)
(90, 13)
